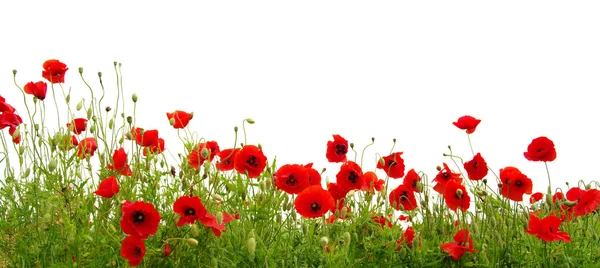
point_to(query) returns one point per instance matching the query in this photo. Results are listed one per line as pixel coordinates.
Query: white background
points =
(305, 70)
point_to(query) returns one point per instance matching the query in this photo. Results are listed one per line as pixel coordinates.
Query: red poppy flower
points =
(250, 160)
(412, 179)
(180, 119)
(190, 209)
(314, 177)
(155, 149)
(546, 229)
(350, 176)
(167, 250)
(54, 71)
(314, 202)
(337, 149)
(226, 159)
(120, 163)
(139, 219)
(37, 89)
(5, 107)
(558, 196)
(79, 125)
(371, 183)
(337, 192)
(393, 165)
(404, 218)
(462, 243)
(541, 149)
(587, 203)
(443, 177)
(535, 197)
(133, 249)
(456, 196)
(10, 119)
(514, 183)
(403, 198)
(145, 138)
(383, 221)
(108, 187)
(210, 221)
(292, 178)
(476, 168)
(408, 237)
(86, 147)
(195, 158)
(467, 123)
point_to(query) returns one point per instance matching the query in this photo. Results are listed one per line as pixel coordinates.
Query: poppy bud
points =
(352, 145)
(344, 213)
(110, 124)
(107, 109)
(89, 113)
(52, 165)
(79, 105)
(569, 203)
(204, 152)
(268, 184)
(439, 168)
(21, 150)
(172, 121)
(235, 129)
(218, 197)
(134, 97)
(382, 161)
(80, 70)
(484, 181)
(14, 72)
(129, 120)
(36, 127)
(588, 186)
(68, 98)
(250, 121)
(350, 194)
(25, 174)
(112, 228)
(347, 238)
(93, 129)
(419, 187)
(251, 244)
(219, 217)
(262, 185)
(214, 262)
(192, 242)
(195, 230)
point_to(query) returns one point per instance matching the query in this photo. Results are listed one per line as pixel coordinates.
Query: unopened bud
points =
(192, 242)
(250, 121)
(484, 181)
(111, 124)
(382, 161)
(80, 70)
(89, 113)
(204, 153)
(129, 136)
(134, 97)
(195, 229)
(218, 197)
(107, 109)
(93, 129)
(52, 165)
(172, 121)
(219, 217)
(129, 120)
(21, 150)
(347, 238)
(439, 168)
(251, 244)
(352, 145)
(26, 173)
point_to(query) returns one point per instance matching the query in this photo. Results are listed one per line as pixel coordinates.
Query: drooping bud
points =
(134, 97)
(192, 242)
(250, 121)
(79, 105)
(324, 241)
(347, 238)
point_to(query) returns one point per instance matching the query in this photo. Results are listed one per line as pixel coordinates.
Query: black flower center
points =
(190, 212)
(138, 251)
(341, 149)
(392, 163)
(291, 181)
(251, 161)
(518, 183)
(353, 177)
(315, 207)
(404, 196)
(138, 217)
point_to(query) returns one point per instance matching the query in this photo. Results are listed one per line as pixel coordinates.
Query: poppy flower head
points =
(476, 168)
(139, 219)
(337, 192)
(314, 202)
(443, 177)
(54, 71)
(155, 149)
(5, 107)
(408, 237)
(108, 187)
(86, 147)
(226, 159)
(462, 243)
(371, 183)
(314, 177)
(250, 160)
(10, 119)
(393, 165)
(412, 179)
(587, 203)
(337, 149)
(292, 178)
(456, 196)
(120, 163)
(190, 209)
(467, 123)
(350, 176)
(515, 184)
(541, 149)
(383, 221)
(196, 158)
(180, 119)
(535, 197)
(37, 89)
(403, 198)
(78, 124)
(133, 249)
(547, 229)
